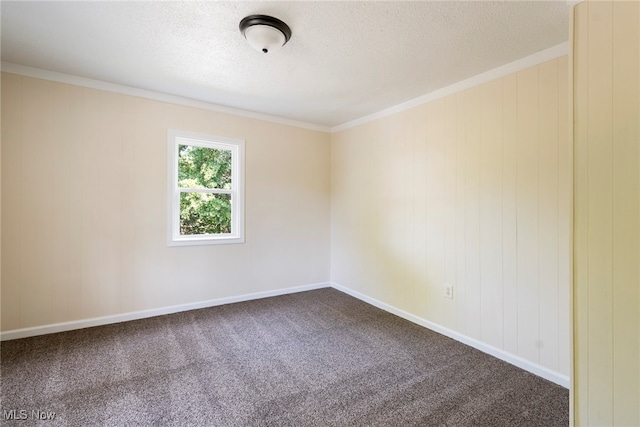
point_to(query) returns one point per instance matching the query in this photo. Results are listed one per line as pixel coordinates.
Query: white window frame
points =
(236, 146)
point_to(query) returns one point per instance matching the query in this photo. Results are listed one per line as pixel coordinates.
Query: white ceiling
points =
(344, 61)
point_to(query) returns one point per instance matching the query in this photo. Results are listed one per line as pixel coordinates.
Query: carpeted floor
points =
(317, 358)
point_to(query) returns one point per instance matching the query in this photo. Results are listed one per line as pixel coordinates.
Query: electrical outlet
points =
(448, 291)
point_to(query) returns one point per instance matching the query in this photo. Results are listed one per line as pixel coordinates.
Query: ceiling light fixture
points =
(265, 33)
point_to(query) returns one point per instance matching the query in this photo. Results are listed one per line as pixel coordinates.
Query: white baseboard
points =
(541, 371)
(534, 368)
(117, 318)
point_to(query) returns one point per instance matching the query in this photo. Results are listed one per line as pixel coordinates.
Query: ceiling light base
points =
(265, 33)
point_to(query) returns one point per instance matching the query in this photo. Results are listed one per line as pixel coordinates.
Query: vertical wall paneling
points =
(479, 178)
(435, 254)
(127, 204)
(60, 203)
(570, 294)
(36, 172)
(581, 215)
(75, 153)
(472, 213)
(84, 207)
(11, 196)
(110, 190)
(405, 274)
(419, 119)
(509, 213)
(450, 195)
(392, 215)
(370, 190)
(527, 214)
(565, 212)
(548, 209)
(606, 79)
(491, 288)
(376, 224)
(460, 289)
(431, 245)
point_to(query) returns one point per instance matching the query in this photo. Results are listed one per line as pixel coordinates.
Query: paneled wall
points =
(84, 206)
(472, 190)
(606, 64)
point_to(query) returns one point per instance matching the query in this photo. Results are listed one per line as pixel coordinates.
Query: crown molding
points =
(71, 79)
(504, 70)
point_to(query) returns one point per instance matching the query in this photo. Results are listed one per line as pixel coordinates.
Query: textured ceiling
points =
(345, 60)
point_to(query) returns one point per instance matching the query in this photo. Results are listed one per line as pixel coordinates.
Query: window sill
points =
(205, 240)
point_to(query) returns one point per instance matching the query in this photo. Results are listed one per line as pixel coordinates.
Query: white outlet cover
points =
(448, 291)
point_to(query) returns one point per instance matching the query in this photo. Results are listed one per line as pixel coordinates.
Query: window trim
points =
(178, 137)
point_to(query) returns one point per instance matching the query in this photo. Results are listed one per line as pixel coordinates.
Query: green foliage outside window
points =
(204, 168)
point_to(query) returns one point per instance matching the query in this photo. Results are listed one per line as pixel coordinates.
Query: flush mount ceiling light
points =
(265, 33)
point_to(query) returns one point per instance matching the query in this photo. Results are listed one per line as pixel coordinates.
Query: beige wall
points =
(474, 190)
(84, 206)
(606, 80)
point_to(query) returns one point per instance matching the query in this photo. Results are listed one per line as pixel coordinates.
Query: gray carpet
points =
(317, 358)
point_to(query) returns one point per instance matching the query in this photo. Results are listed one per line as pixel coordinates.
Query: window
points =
(205, 190)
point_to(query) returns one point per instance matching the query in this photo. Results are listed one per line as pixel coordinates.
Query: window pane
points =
(205, 213)
(202, 167)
